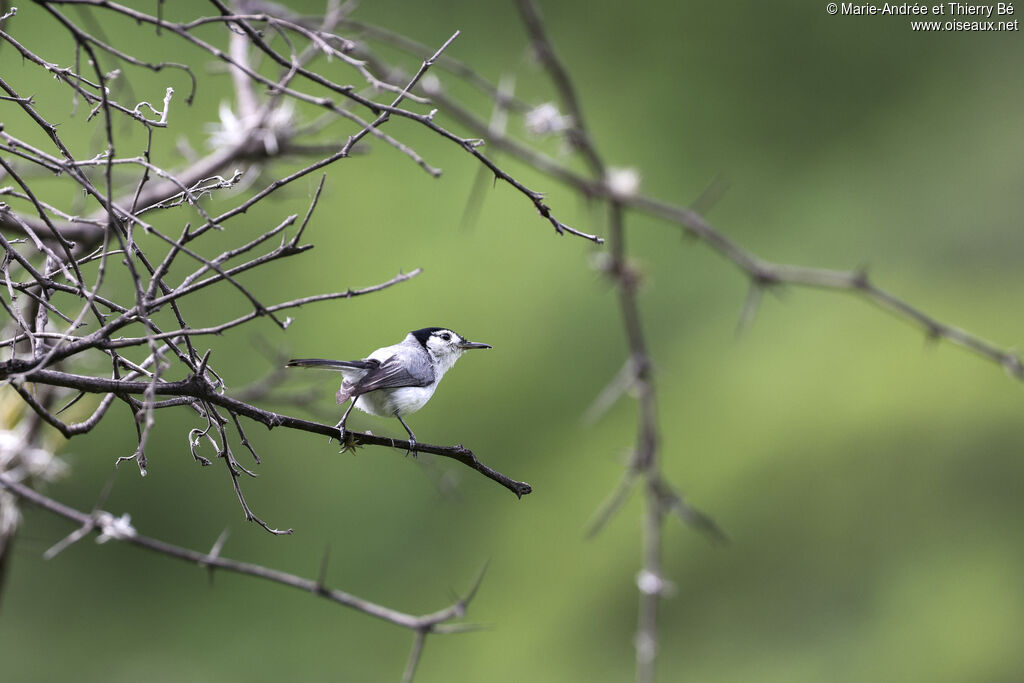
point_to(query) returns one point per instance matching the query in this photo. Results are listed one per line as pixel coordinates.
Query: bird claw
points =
(345, 440)
(411, 450)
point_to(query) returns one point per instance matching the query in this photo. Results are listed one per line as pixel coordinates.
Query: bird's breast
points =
(388, 402)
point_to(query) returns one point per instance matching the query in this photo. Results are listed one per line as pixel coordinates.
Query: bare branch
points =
(201, 389)
(214, 560)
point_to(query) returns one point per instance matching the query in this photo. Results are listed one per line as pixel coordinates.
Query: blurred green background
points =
(871, 482)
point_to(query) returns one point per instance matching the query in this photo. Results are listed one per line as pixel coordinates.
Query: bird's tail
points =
(328, 364)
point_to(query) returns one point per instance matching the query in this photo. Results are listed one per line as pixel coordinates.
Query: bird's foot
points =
(341, 433)
(346, 439)
(412, 447)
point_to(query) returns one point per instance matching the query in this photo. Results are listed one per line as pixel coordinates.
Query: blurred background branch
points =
(108, 527)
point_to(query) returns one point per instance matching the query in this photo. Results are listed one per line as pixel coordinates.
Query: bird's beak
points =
(473, 345)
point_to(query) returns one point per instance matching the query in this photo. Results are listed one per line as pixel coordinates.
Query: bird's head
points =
(444, 345)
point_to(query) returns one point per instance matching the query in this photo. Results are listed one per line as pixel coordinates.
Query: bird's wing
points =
(390, 374)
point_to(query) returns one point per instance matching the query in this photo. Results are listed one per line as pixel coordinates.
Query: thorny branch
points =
(620, 189)
(346, 91)
(644, 462)
(109, 527)
(203, 392)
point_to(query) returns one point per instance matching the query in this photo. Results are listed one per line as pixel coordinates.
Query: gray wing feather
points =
(389, 374)
(392, 373)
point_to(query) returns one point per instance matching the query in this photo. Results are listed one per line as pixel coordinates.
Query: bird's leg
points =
(412, 437)
(341, 425)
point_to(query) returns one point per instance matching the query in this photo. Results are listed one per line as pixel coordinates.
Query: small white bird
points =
(396, 380)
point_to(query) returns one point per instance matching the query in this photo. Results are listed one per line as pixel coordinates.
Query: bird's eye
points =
(446, 336)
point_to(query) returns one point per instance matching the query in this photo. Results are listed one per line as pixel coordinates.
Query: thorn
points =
(710, 195)
(215, 553)
(750, 307)
(860, 278)
(1012, 365)
(473, 589)
(322, 576)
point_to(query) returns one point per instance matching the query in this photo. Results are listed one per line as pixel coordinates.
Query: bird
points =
(396, 380)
